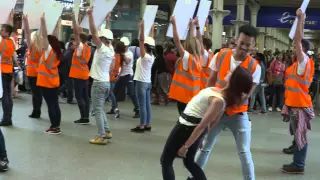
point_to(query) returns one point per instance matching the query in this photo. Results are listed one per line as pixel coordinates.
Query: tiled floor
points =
(37, 156)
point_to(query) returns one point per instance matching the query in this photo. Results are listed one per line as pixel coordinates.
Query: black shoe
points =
(71, 102)
(111, 111)
(289, 150)
(263, 112)
(82, 121)
(4, 164)
(291, 169)
(5, 123)
(136, 115)
(138, 129)
(189, 178)
(117, 112)
(35, 115)
(147, 128)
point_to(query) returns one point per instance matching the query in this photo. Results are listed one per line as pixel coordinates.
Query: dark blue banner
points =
(281, 17)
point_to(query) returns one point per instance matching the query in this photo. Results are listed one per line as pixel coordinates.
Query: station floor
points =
(34, 155)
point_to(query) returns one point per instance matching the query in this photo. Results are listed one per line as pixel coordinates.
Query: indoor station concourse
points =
(133, 156)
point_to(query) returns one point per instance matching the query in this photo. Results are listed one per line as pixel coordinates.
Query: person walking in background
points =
(142, 77)
(170, 56)
(260, 87)
(34, 42)
(79, 72)
(275, 80)
(135, 49)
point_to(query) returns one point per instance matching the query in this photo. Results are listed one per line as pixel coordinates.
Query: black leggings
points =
(177, 138)
(50, 95)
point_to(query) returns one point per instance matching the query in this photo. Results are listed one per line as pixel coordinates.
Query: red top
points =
(171, 59)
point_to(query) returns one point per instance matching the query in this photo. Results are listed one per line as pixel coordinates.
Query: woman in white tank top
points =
(202, 112)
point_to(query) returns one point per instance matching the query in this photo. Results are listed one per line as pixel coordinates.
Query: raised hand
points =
(173, 20)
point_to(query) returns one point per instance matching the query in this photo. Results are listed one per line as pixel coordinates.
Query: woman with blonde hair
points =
(186, 79)
(35, 49)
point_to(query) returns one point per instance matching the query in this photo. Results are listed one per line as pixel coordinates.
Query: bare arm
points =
(56, 29)
(151, 33)
(95, 37)
(212, 79)
(206, 32)
(44, 32)
(191, 28)
(176, 38)
(10, 18)
(299, 35)
(75, 30)
(199, 36)
(108, 25)
(141, 39)
(27, 31)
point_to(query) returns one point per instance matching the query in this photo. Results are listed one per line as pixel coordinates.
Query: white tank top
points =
(199, 104)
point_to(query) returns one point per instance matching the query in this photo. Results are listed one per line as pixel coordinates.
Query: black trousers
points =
(36, 94)
(7, 103)
(67, 86)
(181, 106)
(50, 95)
(278, 91)
(177, 138)
(82, 96)
(126, 83)
(3, 151)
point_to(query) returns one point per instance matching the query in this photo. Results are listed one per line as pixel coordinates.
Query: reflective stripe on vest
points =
(49, 65)
(297, 78)
(32, 65)
(188, 76)
(186, 86)
(79, 67)
(49, 75)
(3, 57)
(82, 61)
(296, 90)
(33, 55)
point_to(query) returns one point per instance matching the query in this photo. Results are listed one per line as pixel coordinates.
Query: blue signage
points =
(281, 17)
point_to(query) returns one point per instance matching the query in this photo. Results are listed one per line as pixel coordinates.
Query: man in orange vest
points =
(79, 72)
(7, 51)
(235, 118)
(298, 103)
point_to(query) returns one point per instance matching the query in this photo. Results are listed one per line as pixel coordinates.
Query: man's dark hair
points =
(305, 45)
(207, 43)
(8, 28)
(248, 30)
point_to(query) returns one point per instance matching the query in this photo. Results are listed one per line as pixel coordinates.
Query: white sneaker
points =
(278, 109)
(270, 109)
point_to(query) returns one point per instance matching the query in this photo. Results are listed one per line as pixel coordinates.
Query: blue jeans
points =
(112, 96)
(241, 129)
(143, 94)
(99, 92)
(299, 156)
(259, 89)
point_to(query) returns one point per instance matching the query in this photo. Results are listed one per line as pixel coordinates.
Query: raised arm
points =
(299, 35)
(95, 37)
(44, 32)
(10, 18)
(75, 30)
(206, 32)
(199, 35)
(141, 39)
(210, 119)
(108, 24)
(151, 33)
(56, 29)
(27, 32)
(176, 38)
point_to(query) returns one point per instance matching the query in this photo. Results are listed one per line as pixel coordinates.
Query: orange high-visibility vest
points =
(185, 84)
(33, 60)
(79, 67)
(223, 66)
(206, 71)
(116, 70)
(297, 87)
(7, 50)
(48, 74)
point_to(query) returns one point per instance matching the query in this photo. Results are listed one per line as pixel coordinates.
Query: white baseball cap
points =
(150, 41)
(105, 33)
(125, 41)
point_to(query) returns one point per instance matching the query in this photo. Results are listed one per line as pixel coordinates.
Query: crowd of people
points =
(213, 89)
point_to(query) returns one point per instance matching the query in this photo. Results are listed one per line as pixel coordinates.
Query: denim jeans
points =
(3, 151)
(99, 92)
(36, 94)
(241, 129)
(51, 97)
(82, 96)
(7, 103)
(259, 90)
(143, 94)
(299, 156)
(127, 82)
(112, 96)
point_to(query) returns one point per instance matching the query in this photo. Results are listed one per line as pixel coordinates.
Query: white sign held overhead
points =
(149, 17)
(100, 10)
(34, 9)
(203, 12)
(76, 8)
(5, 8)
(182, 18)
(53, 11)
(303, 7)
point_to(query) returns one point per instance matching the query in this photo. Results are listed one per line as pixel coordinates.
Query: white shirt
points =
(199, 104)
(302, 65)
(233, 65)
(143, 69)
(47, 52)
(79, 49)
(127, 68)
(102, 60)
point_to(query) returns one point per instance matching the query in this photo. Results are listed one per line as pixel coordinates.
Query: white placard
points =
(203, 12)
(149, 17)
(183, 11)
(34, 9)
(303, 7)
(5, 8)
(100, 10)
(53, 11)
(76, 8)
